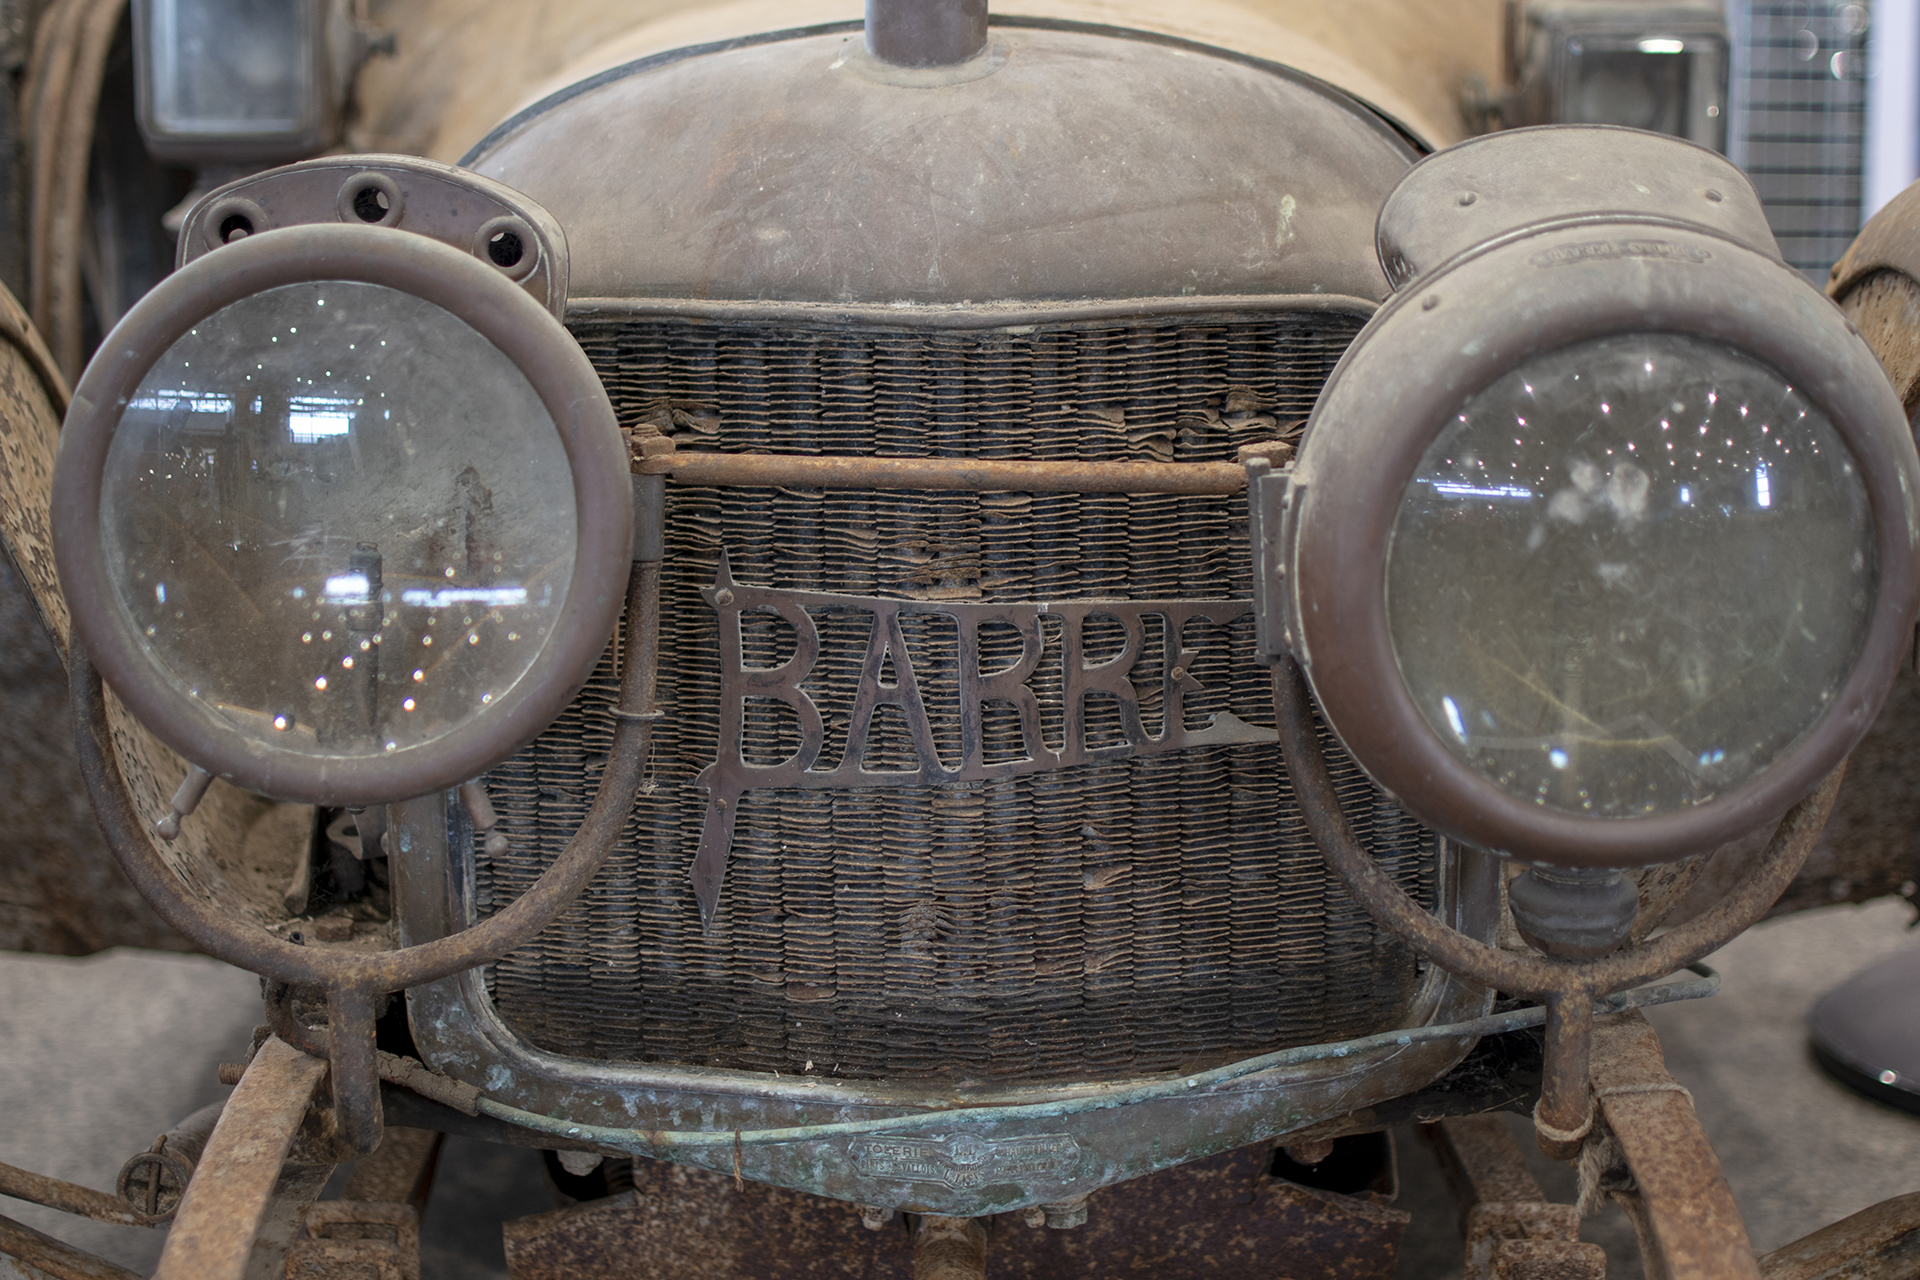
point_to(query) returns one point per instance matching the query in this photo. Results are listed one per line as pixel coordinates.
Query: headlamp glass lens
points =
(1629, 575)
(340, 517)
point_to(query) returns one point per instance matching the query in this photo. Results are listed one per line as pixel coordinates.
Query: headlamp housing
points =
(341, 511)
(1601, 546)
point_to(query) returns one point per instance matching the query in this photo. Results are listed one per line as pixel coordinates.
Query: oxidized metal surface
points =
(949, 1248)
(1870, 847)
(239, 942)
(400, 1171)
(780, 170)
(1509, 1226)
(353, 1240)
(212, 1237)
(1407, 374)
(152, 1181)
(55, 1258)
(1515, 973)
(1680, 1199)
(1027, 751)
(1224, 1216)
(963, 1160)
(1564, 1117)
(1518, 179)
(459, 1032)
(439, 201)
(1881, 1242)
(1030, 476)
(67, 1197)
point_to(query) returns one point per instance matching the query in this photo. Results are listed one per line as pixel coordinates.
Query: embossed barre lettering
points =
(964, 1161)
(731, 775)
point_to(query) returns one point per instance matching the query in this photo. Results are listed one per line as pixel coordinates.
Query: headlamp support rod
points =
(354, 982)
(1564, 1115)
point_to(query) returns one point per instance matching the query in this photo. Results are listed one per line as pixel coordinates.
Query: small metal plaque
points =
(964, 1160)
(731, 775)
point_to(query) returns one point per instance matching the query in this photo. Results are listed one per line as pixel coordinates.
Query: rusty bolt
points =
(153, 1181)
(873, 1216)
(1063, 1215)
(1310, 1152)
(1034, 1216)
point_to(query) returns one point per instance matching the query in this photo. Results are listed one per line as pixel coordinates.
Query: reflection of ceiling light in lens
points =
(314, 418)
(1663, 46)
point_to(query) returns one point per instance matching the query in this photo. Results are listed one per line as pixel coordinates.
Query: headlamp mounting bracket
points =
(489, 220)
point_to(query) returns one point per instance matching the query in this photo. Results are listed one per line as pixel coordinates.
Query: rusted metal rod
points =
(1533, 976)
(358, 1123)
(1564, 1115)
(1020, 475)
(52, 1257)
(68, 1197)
(1568, 985)
(246, 945)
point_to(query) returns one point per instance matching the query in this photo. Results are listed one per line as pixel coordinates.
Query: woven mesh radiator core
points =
(1124, 916)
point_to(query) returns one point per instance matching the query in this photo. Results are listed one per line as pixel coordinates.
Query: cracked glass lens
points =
(1630, 575)
(340, 517)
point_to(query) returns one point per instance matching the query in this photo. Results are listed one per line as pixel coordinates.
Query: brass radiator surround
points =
(976, 1170)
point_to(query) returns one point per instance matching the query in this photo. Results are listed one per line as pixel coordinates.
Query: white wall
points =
(1893, 103)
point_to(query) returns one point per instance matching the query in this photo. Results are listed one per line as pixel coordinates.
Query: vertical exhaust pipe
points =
(926, 33)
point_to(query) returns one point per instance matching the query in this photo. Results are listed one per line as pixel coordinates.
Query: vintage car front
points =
(949, 614)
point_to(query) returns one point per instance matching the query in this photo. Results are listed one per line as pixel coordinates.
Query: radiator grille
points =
(1136, 915)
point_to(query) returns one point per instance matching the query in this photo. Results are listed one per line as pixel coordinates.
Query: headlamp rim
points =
(524, 332)
(1395, 390)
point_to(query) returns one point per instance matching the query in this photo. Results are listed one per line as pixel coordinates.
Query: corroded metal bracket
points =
(233, 1188)
(1657, 1163)
(1509, 1225)
(1565, 1114)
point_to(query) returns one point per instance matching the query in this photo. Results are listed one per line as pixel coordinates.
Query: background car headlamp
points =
(232, 81)
(342, 514)
(1601, 546)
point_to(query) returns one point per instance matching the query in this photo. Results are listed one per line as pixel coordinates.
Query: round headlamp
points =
(1602, 539)
(342, 514)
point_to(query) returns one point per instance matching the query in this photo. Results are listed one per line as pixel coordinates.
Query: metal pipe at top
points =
(926, 33)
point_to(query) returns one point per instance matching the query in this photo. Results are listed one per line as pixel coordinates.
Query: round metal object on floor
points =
(1866, 1031)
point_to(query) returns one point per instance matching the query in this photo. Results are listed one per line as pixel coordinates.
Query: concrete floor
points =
(99, 1055)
